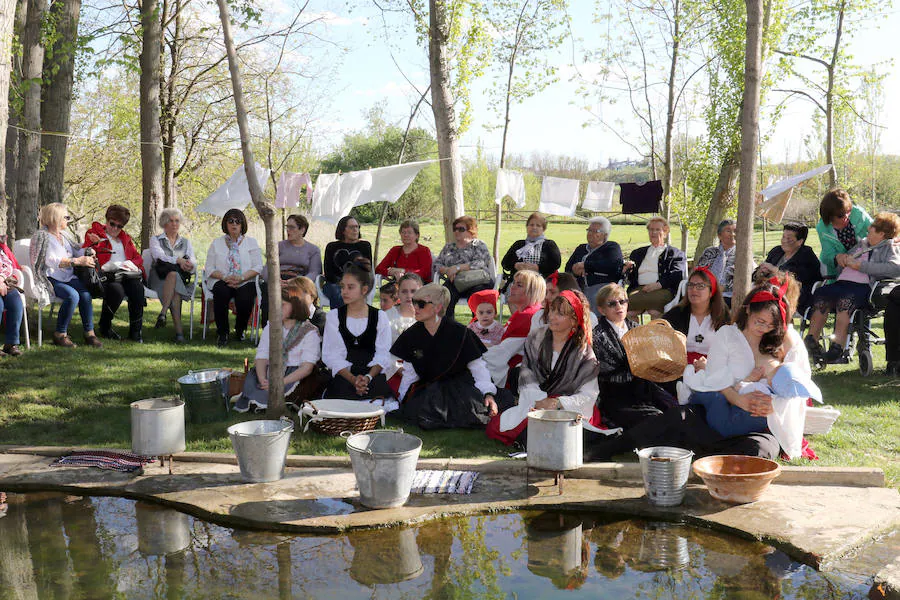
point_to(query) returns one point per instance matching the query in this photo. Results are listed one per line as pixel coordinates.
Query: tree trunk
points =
(27, 186)
(7, 19)
(749, 146)
(670, 112)
(151, 143)
(56, 108)
(829, 100)
(444, 117)
(276, 405)
(723, 196)
(168, 117)
(13, 136)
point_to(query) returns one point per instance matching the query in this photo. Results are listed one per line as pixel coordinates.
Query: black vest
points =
(360, 349)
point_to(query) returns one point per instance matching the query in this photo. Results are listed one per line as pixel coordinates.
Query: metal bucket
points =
(384, 463)
(385, 556)
(555, 440)
(261, 448)
(663, 548)
(205, 394)
(554, 545)
(161, 531)
(665, 470)
(157, 426)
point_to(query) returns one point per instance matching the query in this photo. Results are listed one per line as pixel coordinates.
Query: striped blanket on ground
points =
(126, 462)
(444, 482)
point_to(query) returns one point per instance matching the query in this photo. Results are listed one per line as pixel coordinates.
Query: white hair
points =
(603, 222)
(168, 214)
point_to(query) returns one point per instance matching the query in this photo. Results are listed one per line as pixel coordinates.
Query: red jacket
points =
(418, 262)
(104, 248)
(518, 326)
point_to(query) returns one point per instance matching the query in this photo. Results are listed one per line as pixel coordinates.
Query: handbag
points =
(466, 280)
(163, 269)
(90, 277)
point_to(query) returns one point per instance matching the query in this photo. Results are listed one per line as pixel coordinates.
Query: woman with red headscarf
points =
(559, 369)
(700, 313)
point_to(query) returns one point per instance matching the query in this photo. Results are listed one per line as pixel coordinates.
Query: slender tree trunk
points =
(13, 139)
(444, 117)
(27, 187)
(57, 105)
(670, 111)
(499, 210)
(151, 143)
(723, 196)
(829, 99)
(7, 19)
(276, 405)
(168, 116)
(749, 146)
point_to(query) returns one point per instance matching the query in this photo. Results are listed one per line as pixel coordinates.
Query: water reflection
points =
(54, 546)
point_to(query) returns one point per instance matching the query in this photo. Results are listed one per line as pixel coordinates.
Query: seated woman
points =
(794, 256)
(625, 400)
(526, 292)
(598, 262)
(877, 257)
(842, 225)
(559, 371)
(654, 272)
(445, 381)
(347, 247)
(174, 263)
(534, 253)
(466, 253)
(122, 269)
(556, 283)
(700, 313)
(296, 258)
(720, 259)
(11, 300)
(301, 351)
(357, 340)
(232, 264)
(408, 257)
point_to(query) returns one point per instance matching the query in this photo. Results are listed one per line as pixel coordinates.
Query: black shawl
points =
(574, 367)
(448, 352)
(610, 353)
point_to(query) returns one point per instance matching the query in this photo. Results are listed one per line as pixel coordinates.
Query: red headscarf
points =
(575, 302)
(778, 297)
(554, 278)
(483, 297)
(713, 282)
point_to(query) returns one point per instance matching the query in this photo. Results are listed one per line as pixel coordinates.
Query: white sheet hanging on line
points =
(234, 193)
(389, 183)
(512, 184)
(789, 182)
(559, 196)
(325, 197)
(773, 209)
(599, 196)
(289, 185)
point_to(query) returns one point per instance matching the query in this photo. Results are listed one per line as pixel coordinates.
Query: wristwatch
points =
(367, 376)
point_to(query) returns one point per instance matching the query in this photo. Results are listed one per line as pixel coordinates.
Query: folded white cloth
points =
(512, 184)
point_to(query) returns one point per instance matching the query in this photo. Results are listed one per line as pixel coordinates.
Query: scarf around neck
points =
(531, 248)
(234, 255)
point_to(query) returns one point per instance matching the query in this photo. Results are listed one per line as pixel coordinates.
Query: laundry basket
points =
(655, 351)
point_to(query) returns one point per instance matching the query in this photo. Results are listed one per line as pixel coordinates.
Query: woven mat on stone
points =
(126, 462)
(444, 482)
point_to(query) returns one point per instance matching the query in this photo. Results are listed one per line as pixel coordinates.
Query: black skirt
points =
(453, 402)
(339, 387)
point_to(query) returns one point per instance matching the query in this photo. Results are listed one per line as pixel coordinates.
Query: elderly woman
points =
(598, 262)
(876, 257)
(700, 314)
(534, 253)
(469, 256)
(174, 264)
(445, 380)
(654, 272)
(53, 257)
(842, 225)
(347, 247)
(795, 256)
(720, 259)
(11, 299)
(408, 257)
(122, 269)
(527, 292)
(232, 264)
(559, 371)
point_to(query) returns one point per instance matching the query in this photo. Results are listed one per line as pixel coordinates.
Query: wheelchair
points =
(860, 336)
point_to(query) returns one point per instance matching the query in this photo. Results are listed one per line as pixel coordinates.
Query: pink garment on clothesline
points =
(289, 185)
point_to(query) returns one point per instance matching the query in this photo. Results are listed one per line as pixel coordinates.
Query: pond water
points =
(56, 546)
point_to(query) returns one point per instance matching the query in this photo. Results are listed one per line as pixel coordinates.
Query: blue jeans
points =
(726, 418)
(73, 293)
(332, 291)
(12, 304)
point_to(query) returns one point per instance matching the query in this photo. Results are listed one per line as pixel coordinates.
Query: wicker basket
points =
(655, 351)
(335, 425)
(819, 419)
(236, 381)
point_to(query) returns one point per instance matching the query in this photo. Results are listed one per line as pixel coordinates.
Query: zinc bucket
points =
(384, 463)
(261, 448)
(157, 426)
(204, 394)
(665, 470)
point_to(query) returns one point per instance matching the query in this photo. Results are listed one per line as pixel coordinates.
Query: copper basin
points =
(736, 479)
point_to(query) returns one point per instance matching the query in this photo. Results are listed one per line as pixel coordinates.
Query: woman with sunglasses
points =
(445, 380)
(122, 269)
(700, 313)
(347, 247)
(466, 253)
(232, 264)
(842, 225)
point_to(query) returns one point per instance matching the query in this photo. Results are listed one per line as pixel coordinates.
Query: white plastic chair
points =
(22, 252)
(152, 295)
(679, 294)
(255, 315)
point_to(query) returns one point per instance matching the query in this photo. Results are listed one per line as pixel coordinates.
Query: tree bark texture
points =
(276, 405)
(151, 141)
(749, 147)
(14, 99)
(444, 117)
(7, 18)
(670, 111)
(59, 70)
(829, 99)
(168, 116)
(723, 196)
(27, 186)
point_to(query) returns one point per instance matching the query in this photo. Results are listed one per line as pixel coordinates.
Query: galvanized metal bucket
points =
(160, 530)
(555, 440)
(157, 426)
(665, 470)
(384, 463)
(205, 394)
(385, 556)
(261, 448)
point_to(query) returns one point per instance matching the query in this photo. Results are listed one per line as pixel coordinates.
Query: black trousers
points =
(244, 298)
(455, 295)
(892, 326)
(113, 294)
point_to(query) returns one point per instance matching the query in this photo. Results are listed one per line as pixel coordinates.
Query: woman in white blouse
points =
(700, 313)
(401, 316)
(357, 340)
(174, 264)
(232, 263)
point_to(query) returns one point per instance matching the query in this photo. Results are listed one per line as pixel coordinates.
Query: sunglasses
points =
(614, 303)
(460, 229)
(234, 221)
(115, 225)
(422, 303)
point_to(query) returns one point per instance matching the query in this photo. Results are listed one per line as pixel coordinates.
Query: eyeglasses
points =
(422, 303)
(352, 227)
(593, 230)
(115, 225)
(460, 229)
(763, 323)
(234, 221)
(291, 227)
(697, 285)
(615, 303)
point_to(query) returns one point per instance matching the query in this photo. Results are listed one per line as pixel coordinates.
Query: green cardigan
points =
(832, 246)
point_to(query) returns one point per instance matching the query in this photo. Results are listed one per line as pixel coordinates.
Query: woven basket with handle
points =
(655, 351)
(337, 425)
(236, 381)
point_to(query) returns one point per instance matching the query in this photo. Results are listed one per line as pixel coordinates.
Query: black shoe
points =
(813, 346)
(160, 322)
(834, 353)
(136, 336)
(893, 369)
(179, 338)
(109, 333)
(222, 341)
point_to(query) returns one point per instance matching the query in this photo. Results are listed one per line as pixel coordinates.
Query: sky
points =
(371, 71)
